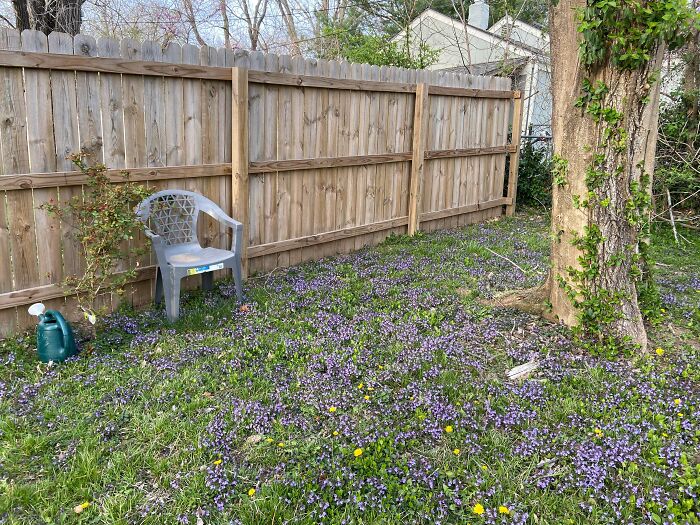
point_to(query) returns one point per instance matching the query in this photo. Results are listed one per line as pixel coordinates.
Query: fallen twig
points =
(504, 258)
(670, 212)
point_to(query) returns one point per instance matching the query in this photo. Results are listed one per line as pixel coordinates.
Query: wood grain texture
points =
(315, 157)
(420, 123)
(515, 154)
(239, 154)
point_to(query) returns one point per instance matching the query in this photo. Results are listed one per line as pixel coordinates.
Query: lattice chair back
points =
(172, 214)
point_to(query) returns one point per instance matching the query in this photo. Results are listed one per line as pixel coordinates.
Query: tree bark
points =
(577, 138)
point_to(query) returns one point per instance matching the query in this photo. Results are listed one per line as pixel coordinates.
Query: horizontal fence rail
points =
(314, 157)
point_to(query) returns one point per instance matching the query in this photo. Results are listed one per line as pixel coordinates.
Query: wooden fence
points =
(315, 157)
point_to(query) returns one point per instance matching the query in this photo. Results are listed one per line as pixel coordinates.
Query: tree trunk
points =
(47, 16)
(578, 138)
(291, 27)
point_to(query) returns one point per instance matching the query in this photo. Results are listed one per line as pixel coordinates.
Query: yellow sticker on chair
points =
(202, 269)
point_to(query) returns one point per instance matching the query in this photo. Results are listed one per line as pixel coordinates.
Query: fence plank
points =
(134, 118)
(42, 157)
(420, 123)
(515, 155)
(347, 146)
(284, 151)
(15, 159)
(296, 193)
(239, 154)
(269, 193)
(65, 129)
(310, 123)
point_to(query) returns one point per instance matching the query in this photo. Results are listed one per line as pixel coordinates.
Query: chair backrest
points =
(172, 214)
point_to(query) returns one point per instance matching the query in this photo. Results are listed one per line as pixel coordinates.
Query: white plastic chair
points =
(170, 219)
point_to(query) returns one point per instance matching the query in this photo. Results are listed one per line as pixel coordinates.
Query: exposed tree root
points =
(531, 300)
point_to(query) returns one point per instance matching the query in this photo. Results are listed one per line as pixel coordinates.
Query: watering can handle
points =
(62, 323)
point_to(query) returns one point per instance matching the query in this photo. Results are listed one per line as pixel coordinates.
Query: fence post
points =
(420, 124)
(239, 155)
(515, 152)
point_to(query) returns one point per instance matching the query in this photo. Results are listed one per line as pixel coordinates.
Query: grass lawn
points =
(367, 388)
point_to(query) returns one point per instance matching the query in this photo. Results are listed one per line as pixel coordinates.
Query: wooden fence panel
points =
(330, 147)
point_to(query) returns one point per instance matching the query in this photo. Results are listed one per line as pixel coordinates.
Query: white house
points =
(507, 48)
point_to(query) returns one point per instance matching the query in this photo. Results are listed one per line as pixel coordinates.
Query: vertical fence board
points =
(296, 192)
(65, 129)
(347, 145)
(285, 150)
(420, 124)
(15, 159)
(42, 158)
(240, 198)
(270, 187)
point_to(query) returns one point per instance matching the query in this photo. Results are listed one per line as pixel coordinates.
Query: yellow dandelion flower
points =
(503, 510)
(80, 508)
(269, 440)
(677, 401)
(456, 452)
(366, 398)
(357, 453)
(659, 351)
(478, 509)
(335, 432)
(449, 429)
(332, 409)
(217, 462)
(370, 388)
(484, 468)
(251, 492)
(680, 414)
(598, 432)
(280, 444)
(361, 386)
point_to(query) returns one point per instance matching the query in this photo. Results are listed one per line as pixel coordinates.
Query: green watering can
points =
(54, 336)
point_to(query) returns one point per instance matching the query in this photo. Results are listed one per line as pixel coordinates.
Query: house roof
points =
(491, 35)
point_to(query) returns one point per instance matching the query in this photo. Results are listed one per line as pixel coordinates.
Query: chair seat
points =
(188, 255)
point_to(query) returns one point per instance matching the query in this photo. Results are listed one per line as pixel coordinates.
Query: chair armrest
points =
(237, 240)
(155, 238)
(222, 217)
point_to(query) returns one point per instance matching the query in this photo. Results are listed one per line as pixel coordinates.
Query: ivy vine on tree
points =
(619, 42)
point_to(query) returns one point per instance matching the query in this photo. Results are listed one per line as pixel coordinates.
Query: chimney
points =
(479, 14)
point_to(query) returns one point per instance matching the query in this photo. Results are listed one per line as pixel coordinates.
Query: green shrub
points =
(103, 223)
(678, 150)
(535, 175)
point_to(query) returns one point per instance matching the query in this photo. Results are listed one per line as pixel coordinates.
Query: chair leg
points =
(172, 296)
(207, 281)
(238, 278)
(159, 286)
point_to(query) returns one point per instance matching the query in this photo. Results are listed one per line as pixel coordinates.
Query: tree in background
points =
(677, 180)
(606, 58)
(353, 45)
(49, 15)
